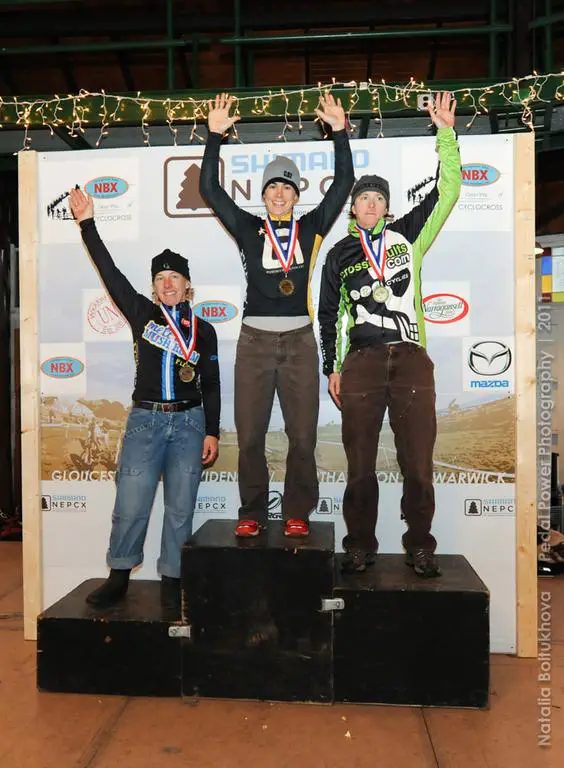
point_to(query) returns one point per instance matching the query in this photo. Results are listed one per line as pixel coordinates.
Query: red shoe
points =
(247, 528)
(296, 528)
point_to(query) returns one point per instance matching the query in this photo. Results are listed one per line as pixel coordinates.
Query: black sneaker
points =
(424, 563)
(357, 560)
(170, 593)
(112, 590)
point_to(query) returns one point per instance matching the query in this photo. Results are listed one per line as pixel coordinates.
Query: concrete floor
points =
(45, 730)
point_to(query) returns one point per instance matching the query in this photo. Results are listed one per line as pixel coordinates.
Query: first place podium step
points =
(255, 607)
(273, 618)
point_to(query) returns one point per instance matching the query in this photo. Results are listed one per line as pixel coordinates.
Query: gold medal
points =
(186, 374)
(287, 287)
(380, 294)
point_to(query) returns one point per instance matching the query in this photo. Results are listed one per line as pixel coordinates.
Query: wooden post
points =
(525, 390)
(29, 365)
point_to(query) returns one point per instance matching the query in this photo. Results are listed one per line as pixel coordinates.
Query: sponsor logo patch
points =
(444, 308)
(489, 358)
(106, 187)
(479, 174)
(104, 317)
(62, 367)
(216, 311)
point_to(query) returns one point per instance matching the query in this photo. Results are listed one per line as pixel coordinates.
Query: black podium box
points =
(401, 639)
(130, 649)
(254, 607)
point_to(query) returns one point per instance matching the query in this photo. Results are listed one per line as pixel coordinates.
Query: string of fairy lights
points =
(86, 109)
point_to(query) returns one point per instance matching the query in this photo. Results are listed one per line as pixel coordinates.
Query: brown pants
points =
(398, 377)
(286, 363)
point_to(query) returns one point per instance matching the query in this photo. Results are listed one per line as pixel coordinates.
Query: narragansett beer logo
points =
(444, 308)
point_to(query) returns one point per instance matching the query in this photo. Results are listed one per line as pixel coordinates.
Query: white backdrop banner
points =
(147, 200)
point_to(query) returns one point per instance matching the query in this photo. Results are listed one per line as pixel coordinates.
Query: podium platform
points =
(405, 640)
(128, 649)
(255, 608)
(274, 618)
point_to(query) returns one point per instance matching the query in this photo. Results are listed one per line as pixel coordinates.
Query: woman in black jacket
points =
(173, 426)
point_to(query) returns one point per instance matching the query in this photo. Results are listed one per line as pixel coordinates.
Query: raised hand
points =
(331, 112)
(219, 120)
(442, 110)
(81, 205)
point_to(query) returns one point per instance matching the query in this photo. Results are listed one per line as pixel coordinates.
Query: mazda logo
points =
(489, 358)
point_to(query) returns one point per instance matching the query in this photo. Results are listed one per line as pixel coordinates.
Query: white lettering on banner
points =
(83, 474)
(114, 217)
(52, 503)
(480, 207)
(306, 161)
(212, 476)
(478, 477)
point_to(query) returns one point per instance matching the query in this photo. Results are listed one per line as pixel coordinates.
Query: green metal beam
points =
(170, 50)
(137, 45)
(76, 141)
(270, 103)
(485, 29)
(194, 68)
(546, 21)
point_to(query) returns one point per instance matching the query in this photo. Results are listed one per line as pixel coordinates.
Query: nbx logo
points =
(480, 174)
(62, 367)
(106, 186)
(215, 312)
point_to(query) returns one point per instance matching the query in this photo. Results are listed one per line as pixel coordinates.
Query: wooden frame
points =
(525, 378)
(526, 397)
(30, 410)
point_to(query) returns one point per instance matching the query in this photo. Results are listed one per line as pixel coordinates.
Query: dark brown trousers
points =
(398, 377)
(286, 363)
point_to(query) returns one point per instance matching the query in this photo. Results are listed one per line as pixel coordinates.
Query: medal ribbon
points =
(188, 347)
(368, 248)
(285, 253)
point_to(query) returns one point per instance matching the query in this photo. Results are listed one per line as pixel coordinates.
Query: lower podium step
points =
(254, 607)
(401, 639)
(126, 649)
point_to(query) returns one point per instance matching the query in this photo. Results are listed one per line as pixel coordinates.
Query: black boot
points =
(424, 563)
(357, 560)
(112, 590)
(170, 593)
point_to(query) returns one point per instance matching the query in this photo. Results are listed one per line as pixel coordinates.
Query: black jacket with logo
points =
(262, 268)
(157, 356)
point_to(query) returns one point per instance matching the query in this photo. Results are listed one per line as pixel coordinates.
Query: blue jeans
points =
(156, 443)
